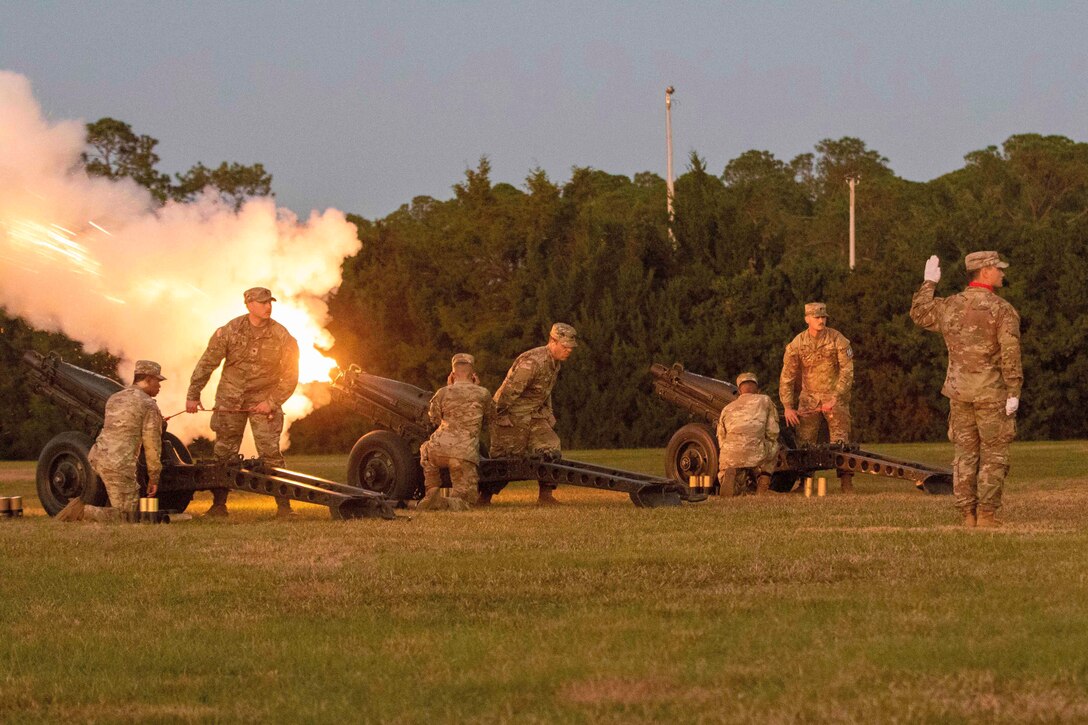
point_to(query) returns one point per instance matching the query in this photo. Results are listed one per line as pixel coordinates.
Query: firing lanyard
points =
(202, 409)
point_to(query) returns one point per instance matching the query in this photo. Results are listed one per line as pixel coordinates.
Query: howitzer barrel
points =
(82, 393)
(390, 404)
(699, 395)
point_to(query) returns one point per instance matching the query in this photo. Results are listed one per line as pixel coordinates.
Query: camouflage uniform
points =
(524, 423)
(460, 410)
(132, 420)
(982, 333)
(523, 405)
(747, 440)
(261, 366)
(825, 366)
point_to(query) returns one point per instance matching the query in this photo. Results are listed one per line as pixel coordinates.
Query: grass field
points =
(866, 608)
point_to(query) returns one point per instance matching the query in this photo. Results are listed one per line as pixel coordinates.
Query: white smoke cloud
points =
(98, 260)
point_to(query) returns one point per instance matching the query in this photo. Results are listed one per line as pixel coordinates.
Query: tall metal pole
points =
(852, 181)
(668, 160)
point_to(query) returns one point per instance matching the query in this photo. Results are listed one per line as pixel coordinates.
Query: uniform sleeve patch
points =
(850, 352)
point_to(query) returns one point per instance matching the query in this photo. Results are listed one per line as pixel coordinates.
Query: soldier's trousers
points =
(230, 427)
(122, 489)
(464, 475)
(838, 419)
(981, 434)
(523, 436)
(733, 480)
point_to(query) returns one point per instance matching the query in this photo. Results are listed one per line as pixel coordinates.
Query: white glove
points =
(1011, 405)
(933, 270)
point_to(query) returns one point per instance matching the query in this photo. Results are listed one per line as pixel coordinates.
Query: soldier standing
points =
(982, 333)
(132, 420)
(260, 373)
(524, 423)
(460, 410)
(822, 359)
(747, 439)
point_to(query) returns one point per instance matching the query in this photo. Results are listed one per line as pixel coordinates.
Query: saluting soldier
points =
(821, 360)
(983, 382)
(524, 422)
(460, 410)
(747, 439)
(132, 420)
(260, 372)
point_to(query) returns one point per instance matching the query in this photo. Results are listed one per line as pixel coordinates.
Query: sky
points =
(363, 106)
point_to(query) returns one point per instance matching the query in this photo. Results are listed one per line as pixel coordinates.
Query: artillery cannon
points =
(64, 472)
(387, 459)
(693, 449)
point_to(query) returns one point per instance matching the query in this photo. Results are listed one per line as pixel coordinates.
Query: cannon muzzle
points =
(80, 393)
(699, 395)
(390, 404)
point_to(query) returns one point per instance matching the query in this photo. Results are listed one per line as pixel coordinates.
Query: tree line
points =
(488, 270)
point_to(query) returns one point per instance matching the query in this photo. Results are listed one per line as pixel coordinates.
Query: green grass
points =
(870, 608)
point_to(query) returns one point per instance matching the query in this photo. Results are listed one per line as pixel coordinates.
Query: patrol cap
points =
(150, 368)
(564, 334)
(462, 358)
(259, 294)
(747, 378)
(978, 260)
(816, 309)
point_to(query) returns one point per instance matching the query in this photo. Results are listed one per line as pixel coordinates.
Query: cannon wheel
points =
(173, 451)
(382, 461)
(64, 473)
(783, 481)
(692, 451)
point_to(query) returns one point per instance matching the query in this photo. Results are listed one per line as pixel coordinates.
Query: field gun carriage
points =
(64, 473)
(693, 449)
(387, 459)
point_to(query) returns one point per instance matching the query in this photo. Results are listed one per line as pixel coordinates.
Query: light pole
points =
(668, 158)
(852, 180)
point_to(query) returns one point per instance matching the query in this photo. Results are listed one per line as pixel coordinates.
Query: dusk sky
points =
(364, 106)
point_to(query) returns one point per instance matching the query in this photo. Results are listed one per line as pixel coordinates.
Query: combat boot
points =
(987, 519)
(218, 508)
(846, 482)
(546, 497)
(453, 503)
(432, 501)
(484, 498)
(72, 512)
(763, 484)
(969, 519)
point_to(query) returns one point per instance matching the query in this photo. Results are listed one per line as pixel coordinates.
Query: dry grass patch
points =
(619, 691)
(867, 608)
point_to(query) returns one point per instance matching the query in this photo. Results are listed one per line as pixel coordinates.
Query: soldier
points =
(260, 373)
(747, 439)
(982, 333)
(132, 420)
(524, 422)
(824, 361)
(460, 410)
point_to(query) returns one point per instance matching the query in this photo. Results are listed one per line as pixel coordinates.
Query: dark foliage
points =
(488, 270)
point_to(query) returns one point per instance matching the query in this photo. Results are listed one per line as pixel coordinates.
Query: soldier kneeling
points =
(132, 421)
(747, 439)
(460, 411)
